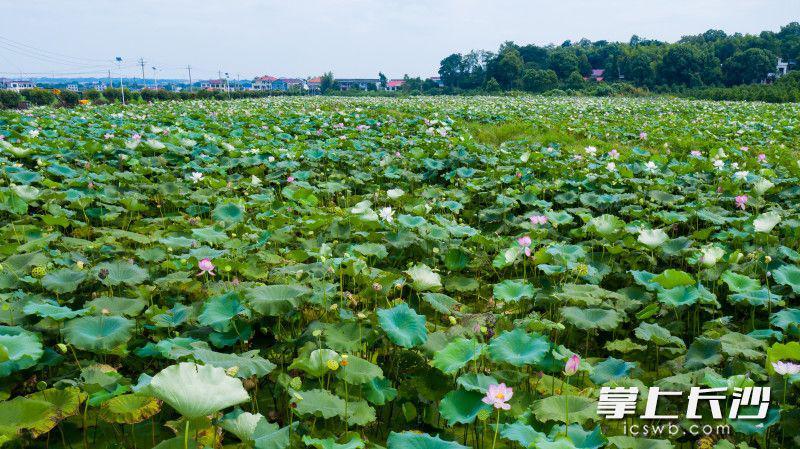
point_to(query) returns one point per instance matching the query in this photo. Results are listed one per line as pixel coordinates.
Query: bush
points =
(95, 96)
(9, 99)
(69, 98)
(535, 80)
(39, 97)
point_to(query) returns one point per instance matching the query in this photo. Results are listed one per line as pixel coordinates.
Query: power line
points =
(48, 52)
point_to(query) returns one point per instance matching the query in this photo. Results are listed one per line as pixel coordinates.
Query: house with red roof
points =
(263, 82)
(394, 85)
(314, 84)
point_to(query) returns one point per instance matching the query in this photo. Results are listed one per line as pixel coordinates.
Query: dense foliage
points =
(709, 59)
(422, 273)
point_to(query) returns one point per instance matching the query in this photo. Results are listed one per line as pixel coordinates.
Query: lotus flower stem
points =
(186, 435)
(496, 429)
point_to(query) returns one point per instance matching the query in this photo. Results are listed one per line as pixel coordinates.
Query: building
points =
(16, 85)
(73, 87)
(314, 85)
(394, 85)
(596, 75)
(437, 80)
(359, 83)
(263, 82)
(783, 67)
(285, 84)
(216, 85)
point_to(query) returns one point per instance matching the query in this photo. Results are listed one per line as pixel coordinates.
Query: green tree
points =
(507, 68)
(536, 80)
(493, 86)
(575, 81)
(749, 66)
(450, 70)
(327, 82)
(563, 61)
(383, 80)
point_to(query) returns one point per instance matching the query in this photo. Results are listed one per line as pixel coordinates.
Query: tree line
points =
(709, 60)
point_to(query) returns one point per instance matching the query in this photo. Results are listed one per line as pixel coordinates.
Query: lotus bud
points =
(232, 371)
(41, 385)
(296, 383)
(62, 348)
(453, 320)
(767, 259)
(79, 264)
(572, 365)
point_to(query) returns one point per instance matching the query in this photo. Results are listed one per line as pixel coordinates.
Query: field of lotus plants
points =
(422, 273)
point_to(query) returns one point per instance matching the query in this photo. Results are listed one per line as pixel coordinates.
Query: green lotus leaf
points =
(186, 386)
(592, 318)
(66, 402)
(740, 283)
(229, 213)
(412, 440)
(249, 363)
(379, 391)
(523, 434)
(210, 235)
(703, 352)
(320, 403)
(129, 409)
(120, 272)
(611, 369)
(755, 426)
(441, 302)
(457, 354)
(785, 318)
(411, 221)
(50, 310)
(371, 250)
(98, 333)
(682, 296)
(116, 306)
(476, 382)
(20, 349)
(510, 290)
(624, 346)
(269, 435)
(345, 336)
(63, 281)
(219, 311)
(462, 407)
(657, 335)
(554, 408)
(404, 326)
(737, 345)
(423, 278)
(580, 438)
(359, 413)
(37, 417)
(518, 348)
(788, 275)
(240, 423)
(625, 442)
(330, 443)
(177, 443)
(276, 300)
(756, 298)
(358, 371)
(673, 278)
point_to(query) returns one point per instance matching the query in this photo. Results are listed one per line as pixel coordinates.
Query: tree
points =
(507, 68)
(327, 82)
(535, 80)
(563, 61)
(638, 69)
(383, 81)
(493, 86)
(688, 65)
(534, 57)
(450, 70)
(749, 66)
(574, 81)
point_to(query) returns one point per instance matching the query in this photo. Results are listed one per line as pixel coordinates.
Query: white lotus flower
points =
(719, 163)
(395, 193)
(590, 150)
(387, 213)
(196, 177)
(741, 175)
(652, 238)
(766, 221)
(710, 255)
(611, 167)
(650, 165)
(786, 368)
(255, 181)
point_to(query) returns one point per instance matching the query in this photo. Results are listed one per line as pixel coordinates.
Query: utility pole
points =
(110, 84)
(189, 68)
(144, 82)
(121, 86)
(228, 85)
(238, 83)
(155, 76)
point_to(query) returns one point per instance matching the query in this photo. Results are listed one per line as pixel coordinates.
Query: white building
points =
(16, 85)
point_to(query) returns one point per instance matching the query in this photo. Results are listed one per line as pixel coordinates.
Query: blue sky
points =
(349, 37)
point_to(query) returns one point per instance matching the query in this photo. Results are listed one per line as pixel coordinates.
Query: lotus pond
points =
(424, 273)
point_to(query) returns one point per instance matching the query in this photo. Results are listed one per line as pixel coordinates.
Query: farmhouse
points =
(358, 83)
(288, 84)
(16, 85)
(394, 85)
(217, 85)
(263, 82)
(314, 84)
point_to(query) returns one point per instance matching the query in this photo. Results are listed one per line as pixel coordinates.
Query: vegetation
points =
(412, 273)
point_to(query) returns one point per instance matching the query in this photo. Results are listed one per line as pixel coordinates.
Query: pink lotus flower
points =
(108, 136)
(741, 200)
(762, 157)
(572, 365)
(613, 154)
(786, 368)
(696, 153)
(498, 396)
(538, 219)
(136, 137)
(525, 242)
(290, 179)
(745, 149)
(643, 135)
(206, 267)
(2, 137)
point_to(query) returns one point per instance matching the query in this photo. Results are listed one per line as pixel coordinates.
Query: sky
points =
(351, 38)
